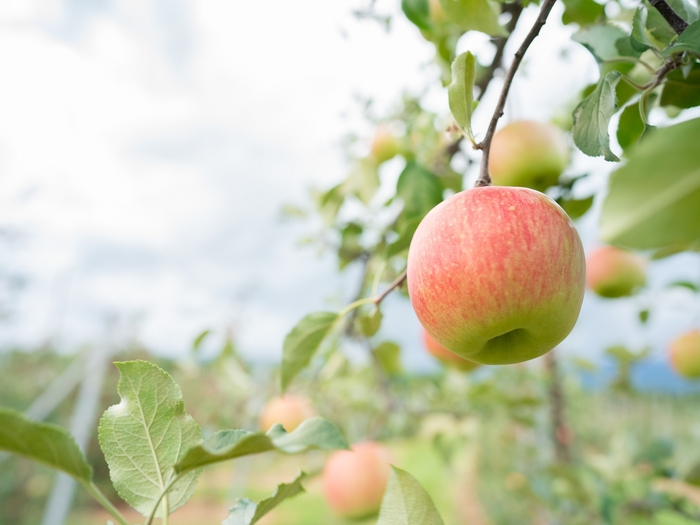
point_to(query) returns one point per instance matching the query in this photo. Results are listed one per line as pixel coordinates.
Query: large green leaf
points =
(420, 191)
(688, 40)
(406, 502)
(600, 40)
(460, 92)
(302, 342)
(145, 435)
(592, 118)
(478, 15)
(43, 442)
(631, 128)
(224, 445)
(246, 512)
(654, 200)
(682, 91)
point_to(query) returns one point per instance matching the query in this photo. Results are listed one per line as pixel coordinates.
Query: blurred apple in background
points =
(684, 354)
(445, 356)
(289, 411)
(528, 154)
(354, 481)
(385, 146)
(613, 272)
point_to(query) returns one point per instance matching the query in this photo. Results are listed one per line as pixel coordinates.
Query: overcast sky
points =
(147, 146)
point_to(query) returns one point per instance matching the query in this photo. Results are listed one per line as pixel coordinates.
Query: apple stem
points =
(484, 177)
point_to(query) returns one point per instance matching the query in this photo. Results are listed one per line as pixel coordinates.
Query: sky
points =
(148, 146)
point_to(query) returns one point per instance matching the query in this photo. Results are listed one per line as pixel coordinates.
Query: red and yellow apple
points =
(613, 272)
(684, 354)
(354, 480)
(384, 146)
(528, 154)
(496, 274)
(445, 356)
(288, 410)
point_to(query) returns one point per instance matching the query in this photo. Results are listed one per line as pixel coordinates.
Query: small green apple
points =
(496, 274)
(613, 272)
(528, 154)
(384, 146)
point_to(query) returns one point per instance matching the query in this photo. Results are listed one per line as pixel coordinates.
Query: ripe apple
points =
(354, 481)
(497, 274)
(288, 410)
(684, 354)
(529, 154)
(613, 272)
(445, 356)
(384, 145)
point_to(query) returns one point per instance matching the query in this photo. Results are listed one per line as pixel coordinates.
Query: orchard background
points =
(229, 192)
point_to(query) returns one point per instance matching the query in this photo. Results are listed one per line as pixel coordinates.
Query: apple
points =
(613, 272)
(445, 356)
(288, 410)
(528, 154)
(684, 354)
(384, 145)
(437, 12)
(354, 480)
(497, 274)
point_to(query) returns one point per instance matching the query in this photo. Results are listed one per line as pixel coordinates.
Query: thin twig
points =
(484, 178)
(397, 283)
(561, 434)
(674, 20)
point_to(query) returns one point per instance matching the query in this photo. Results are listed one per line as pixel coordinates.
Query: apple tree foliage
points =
(648, 56)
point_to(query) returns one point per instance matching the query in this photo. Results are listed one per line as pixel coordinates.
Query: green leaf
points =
(581, 12)
(631, 128)
(600, 40)
(626, 47)
(314, 432)
(369, 323)
(682, 91)
(592, 118)
(460, 92)
(302, 342)
(406, 502)
(644, 316)
(329, 203)
(640, 39)
(685, 284)
(224, 445)
(653, 200)
(688, 40)
(199, 340)
(145, 435)
(43, 442)
(406, 232)
(418, 12)
(363, 180)
(478, 15)
(350, 247)
(245, 512)
(389, 356)
(420, 190)
(576, 208)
